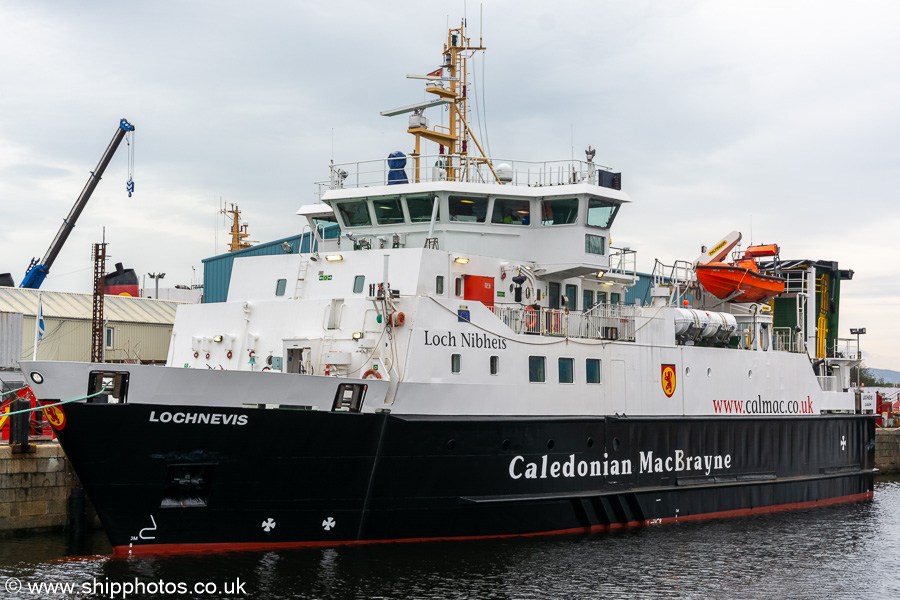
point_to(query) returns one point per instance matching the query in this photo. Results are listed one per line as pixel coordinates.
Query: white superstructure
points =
(500, 299)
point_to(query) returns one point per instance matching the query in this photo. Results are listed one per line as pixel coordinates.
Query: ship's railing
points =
(443, 167)
(678, 276)
(828, 383)
(602, 322)
(843, 348)
(623, 261)
(794, 281)
(786, 340)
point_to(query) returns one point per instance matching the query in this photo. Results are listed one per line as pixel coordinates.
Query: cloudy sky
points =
(778, 119)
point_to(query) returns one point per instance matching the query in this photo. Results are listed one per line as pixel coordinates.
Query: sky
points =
(778, 119)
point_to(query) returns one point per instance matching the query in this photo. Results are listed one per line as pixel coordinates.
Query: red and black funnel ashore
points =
(121, 282)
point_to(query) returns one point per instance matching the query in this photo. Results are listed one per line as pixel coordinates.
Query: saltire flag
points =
(436, 72)
(40, 319)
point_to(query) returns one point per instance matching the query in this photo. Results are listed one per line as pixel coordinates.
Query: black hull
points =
(288, 477)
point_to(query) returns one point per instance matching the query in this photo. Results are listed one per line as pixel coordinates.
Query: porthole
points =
(505, 445)
(550, 444)
(451, 444)
(590, 442)
(616, 443)
(709, 372)
(750, 374)
(687, 371)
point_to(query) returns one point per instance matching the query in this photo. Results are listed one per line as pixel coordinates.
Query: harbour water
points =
(845, 551)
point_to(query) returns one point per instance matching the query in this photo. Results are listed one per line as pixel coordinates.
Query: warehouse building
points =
(136, 330)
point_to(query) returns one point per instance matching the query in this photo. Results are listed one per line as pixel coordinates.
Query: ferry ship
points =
(461, 363)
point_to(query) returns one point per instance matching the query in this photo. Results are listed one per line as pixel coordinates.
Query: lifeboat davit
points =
(742, 281)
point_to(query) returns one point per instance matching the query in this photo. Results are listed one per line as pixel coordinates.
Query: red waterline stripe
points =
(241, 546)
(743, 512)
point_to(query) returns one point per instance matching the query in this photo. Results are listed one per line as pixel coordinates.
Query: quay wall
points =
(887, 450)
(34, 488)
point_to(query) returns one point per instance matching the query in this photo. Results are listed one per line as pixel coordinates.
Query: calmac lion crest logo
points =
(668, 379)
(55, 416)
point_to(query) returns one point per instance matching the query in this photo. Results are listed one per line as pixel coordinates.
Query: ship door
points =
(480, 288)
(298, 359)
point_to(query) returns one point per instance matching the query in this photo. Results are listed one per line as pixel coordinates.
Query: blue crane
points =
(38, 270)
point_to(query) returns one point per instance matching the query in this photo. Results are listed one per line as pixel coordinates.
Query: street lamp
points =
(158, 276)
(857, 333)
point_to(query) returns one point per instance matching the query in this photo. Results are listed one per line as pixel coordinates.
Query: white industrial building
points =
(135, 330)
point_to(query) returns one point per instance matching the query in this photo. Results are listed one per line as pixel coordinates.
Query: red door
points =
(480, 288)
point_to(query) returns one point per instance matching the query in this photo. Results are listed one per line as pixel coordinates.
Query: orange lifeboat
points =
(742, 281)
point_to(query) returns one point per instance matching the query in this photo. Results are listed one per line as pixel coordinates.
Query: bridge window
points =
(354, 214)
(594, 244)
(511, 212)
(388, 211)
(601, 212)
(420, 208)
(468, 209)
(559, 212)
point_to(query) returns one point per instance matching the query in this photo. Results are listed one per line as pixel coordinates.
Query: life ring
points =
(371, 372)
(266, 369)
(530, 317)
(399, 319)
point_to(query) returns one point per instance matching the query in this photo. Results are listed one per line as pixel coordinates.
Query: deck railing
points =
(786, 340)
(442, 167)
(843, 348)
(602, 322)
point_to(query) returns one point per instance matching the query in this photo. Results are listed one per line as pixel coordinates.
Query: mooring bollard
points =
(19, 426)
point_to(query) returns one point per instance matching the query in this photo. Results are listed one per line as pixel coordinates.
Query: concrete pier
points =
(34, 488)
(887, 449)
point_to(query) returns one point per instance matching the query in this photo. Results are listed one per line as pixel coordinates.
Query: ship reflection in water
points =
(844, 551)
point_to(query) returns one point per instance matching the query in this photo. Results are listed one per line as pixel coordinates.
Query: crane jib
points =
(38, 270)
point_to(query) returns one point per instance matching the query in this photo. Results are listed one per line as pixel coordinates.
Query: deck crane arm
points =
(38, 270)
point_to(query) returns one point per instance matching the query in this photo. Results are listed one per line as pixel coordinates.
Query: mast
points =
(238, 229)
(451, 89)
